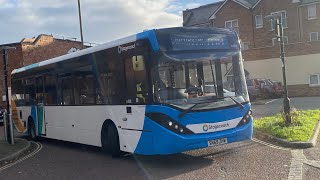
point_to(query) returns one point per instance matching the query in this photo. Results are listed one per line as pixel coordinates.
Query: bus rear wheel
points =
(110, 140)
(31, 130)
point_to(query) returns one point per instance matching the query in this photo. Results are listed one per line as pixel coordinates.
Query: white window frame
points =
(312, 11)
(284, 19)
(285, 39)
(233, 28)
(245, 46)
(259, 25)
(312, 85)
(310, 35)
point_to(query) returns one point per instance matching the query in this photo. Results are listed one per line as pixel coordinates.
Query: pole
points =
(5, 71)
(81, 34)
(5, 125)
(11, 129)
(286, 100)
(8, 114)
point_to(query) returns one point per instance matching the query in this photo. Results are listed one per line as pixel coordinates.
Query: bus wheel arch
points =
(31, 129)
(110, 141)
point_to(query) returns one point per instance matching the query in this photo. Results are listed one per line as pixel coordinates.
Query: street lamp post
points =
(286, 100)
(279, 32)
(5, 71)
(80, 20)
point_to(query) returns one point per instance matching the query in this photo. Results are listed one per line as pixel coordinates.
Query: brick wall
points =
(31, 51)
(46, 47)
(307, 25)
(263, 36)
(297, 49)
(232, 11)
(260, 39)
(300, 90)
(14, 61)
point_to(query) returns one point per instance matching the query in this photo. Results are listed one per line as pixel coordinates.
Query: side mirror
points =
(138, 63)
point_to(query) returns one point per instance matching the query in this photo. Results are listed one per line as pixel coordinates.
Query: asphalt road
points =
(245, 160)
(272, 107)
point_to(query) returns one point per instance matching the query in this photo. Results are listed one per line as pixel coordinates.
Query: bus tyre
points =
(110, 140)
(31, 130)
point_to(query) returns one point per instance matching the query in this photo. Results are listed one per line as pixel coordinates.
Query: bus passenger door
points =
(40, 106)
(133, 119)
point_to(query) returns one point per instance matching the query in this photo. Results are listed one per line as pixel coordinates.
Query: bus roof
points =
(149, 34)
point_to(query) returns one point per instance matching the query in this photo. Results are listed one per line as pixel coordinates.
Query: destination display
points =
(199, 42)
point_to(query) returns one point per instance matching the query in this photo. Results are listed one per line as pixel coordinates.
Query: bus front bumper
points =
(162, 141)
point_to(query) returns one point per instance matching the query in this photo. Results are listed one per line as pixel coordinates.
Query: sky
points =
(103, 20)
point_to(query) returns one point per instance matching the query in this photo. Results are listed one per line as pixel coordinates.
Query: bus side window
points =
(30, 93)
(84, 90)
(18, 92)
(51, 90)
(67, 91)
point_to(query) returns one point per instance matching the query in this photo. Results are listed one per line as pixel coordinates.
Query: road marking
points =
(297, 161)
(39, 147)
(270, 145)
(270, 101)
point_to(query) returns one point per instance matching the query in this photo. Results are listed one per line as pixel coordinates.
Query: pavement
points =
(8, 151)
(305, 163)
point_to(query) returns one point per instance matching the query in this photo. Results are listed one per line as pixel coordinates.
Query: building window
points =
(244, 46)
(313, 36)
(259, 21)
(314, 80)
(275, 40)
(312, 11)
(232, 25)
(283, 18)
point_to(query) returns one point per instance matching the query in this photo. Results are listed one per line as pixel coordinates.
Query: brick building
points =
(32, 50)
(301, 19)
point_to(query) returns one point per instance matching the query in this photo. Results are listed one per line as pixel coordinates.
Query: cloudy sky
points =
(103, 20)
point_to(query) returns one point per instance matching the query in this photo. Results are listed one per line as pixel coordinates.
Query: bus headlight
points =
(246, 119)
(168, 123)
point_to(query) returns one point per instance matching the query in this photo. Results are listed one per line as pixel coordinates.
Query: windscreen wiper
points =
(187, 110)
(190, 108)
(237, 102)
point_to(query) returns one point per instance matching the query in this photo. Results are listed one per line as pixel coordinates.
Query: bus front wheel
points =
(110, 140)
(31, 130)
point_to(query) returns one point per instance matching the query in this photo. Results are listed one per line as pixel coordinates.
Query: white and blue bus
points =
(161, 91)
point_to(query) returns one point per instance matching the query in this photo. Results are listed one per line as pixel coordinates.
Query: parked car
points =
(270, 89)
(226, 93)
(278, 89)
(264, 88)
(254, 89)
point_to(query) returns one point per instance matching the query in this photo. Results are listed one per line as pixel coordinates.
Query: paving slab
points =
(8, 151)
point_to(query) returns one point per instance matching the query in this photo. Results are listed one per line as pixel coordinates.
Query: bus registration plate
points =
(217, 142)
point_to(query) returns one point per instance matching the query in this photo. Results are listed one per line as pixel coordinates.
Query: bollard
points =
(5, 118)
(11, 129)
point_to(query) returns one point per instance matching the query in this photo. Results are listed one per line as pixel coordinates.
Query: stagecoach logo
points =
(214, 127)
(126, 48)
(205, 127)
